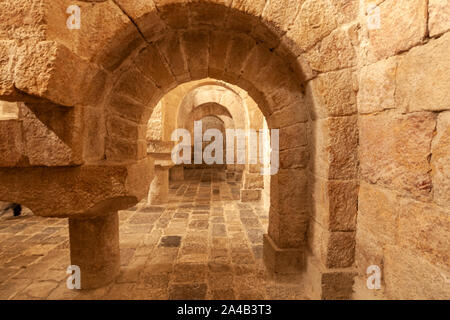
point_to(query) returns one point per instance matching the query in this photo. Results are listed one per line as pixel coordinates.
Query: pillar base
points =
(248, 195)
(177, 173)
(328, 284)
(284, 261)
(94, 247)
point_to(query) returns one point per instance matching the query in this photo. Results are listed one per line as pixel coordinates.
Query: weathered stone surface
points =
(289, 191)
(294, 158)
(340, 249)
(315, 20)
(62, 74)
(335, 51)
(377, 86)
(425, 228)
(334, 152)
(409, 276)
(76, 191)
(52, 135)
(394, 151)
(153, 66)
(11, 143)
(91, 92)
(293, 136)
(280, 260)
(94, 247)
(346, 11)
(144, 14)
(409, 20)
(378, 214)
(107, 35)
(196, 48)
(135, 84)
(333, 249)
(440, 161)
(7, 51)
(253, 7)
(326, 283)
(335, 203)
(423, 77)
(21, 20)
(170, 47)
(280, 15)
(94, 134)
(332, 94)
(438, 16)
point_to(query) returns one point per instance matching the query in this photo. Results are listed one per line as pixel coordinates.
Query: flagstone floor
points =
(204, 244)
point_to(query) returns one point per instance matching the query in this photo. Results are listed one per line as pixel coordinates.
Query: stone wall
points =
(404, 205)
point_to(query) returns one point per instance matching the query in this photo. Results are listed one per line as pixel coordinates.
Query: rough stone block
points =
(440, 161)
(409, 276)
(334, 143)
(52, 134)
(394, 151)
(332, 94)
(282, 261)
(335, 203)
(334, 52)
(439, 17)
(425, 228)
(377, 86)
(409, 20)
(315, 20)
(423, 77)
(11, 143)
(378, 214)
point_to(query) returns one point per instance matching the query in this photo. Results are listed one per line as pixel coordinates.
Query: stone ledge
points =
(328, 284)
(279, 260)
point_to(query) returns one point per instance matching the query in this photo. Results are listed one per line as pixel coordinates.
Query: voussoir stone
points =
(333, 94)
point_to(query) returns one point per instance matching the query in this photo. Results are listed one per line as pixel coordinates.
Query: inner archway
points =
(158, 49)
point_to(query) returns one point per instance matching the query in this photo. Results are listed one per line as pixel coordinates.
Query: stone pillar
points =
(94, 247)
(284, 245)
(177, 173)
(253, 183)
(159, 188)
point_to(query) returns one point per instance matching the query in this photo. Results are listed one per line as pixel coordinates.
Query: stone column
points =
(160, 152)
(284, 245)
(159, 188)
(94, 247)
(253, 184)
(177, 173)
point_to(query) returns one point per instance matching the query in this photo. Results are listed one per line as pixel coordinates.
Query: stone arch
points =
(195, 51)
(220, 94)
(209, 108)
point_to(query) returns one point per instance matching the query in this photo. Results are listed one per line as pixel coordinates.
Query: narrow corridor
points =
(205, 244)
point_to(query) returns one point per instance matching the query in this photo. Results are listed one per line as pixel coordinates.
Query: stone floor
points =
(205, 244)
